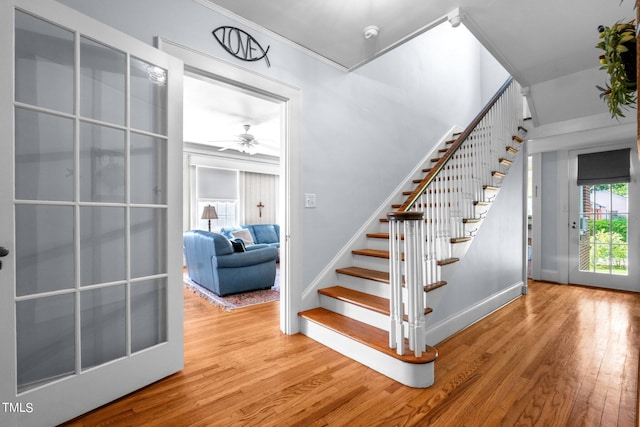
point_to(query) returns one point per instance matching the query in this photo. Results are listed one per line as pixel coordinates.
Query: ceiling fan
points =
(247, 143)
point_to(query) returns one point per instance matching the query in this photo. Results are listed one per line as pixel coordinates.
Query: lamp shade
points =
(209, 212)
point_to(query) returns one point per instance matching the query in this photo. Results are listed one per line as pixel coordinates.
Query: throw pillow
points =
(245, 235)
(238, 246)
(265, 233)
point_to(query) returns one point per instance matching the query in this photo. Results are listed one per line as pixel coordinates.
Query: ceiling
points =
(216, 113)
(536, 42)
(540, 40)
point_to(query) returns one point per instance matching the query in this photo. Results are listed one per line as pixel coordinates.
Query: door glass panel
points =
(102, 245)
(44, 64)
(45, 339)
(44, 156)
(102, 165)
(603, 228)
(148, 97)
(102, 82)
(45, 249)
(104, 317)
(148, 242)
(148, 313)
(148, 169)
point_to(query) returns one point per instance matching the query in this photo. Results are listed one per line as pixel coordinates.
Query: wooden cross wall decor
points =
(260, 206)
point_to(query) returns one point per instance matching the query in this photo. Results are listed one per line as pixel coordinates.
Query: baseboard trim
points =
(450, 326)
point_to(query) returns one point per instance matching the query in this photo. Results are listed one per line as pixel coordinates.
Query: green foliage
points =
(621, 188)
(609, 246)
(621, 88)
(618, 226)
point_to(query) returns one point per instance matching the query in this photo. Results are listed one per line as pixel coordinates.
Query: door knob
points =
(3, 252)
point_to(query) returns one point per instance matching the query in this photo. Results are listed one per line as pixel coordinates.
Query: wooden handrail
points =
(411, 200)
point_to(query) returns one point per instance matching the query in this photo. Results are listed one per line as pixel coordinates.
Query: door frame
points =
(290, 165)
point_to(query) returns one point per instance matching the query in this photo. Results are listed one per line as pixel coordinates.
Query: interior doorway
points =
(290, 200)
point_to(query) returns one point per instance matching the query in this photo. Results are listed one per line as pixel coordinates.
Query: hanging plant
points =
(619, 60)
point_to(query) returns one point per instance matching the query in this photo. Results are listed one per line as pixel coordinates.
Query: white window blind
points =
(216, 184)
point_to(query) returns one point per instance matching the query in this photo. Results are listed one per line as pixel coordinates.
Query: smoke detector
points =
(371, 32)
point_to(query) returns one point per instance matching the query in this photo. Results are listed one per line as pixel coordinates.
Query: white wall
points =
(361, 131)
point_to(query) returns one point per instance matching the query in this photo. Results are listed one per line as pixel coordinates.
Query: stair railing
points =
(452, 193)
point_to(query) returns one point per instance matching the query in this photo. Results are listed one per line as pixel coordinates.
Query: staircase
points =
(377, 312)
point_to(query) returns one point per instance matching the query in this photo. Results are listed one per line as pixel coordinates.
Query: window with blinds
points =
(217, 188)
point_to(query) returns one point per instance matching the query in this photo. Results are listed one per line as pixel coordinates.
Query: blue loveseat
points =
(261, 234)
(212, 263)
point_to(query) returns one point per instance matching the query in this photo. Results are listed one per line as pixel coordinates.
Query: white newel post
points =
(410, 227)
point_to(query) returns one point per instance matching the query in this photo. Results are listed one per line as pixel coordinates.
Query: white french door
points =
(91, 205)
(604, 235)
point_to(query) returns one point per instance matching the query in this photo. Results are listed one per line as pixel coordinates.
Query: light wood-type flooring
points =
(560, 356)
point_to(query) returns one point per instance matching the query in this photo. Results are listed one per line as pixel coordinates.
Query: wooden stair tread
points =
(434, 286)
(517, 139)
(460, 239)
(498, 174)
(471, 220)
(381, 276)
(376, 253)
(365, 273)
(523, 129)
(361, 299)
(505, 162)
(490, 187)
(447, 261)
(382, 236)
(365, 334)
(511, 149)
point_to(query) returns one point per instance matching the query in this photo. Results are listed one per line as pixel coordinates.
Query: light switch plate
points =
(309, 200)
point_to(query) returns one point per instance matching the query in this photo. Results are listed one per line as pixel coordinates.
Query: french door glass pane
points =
(148, 313)
(104, 317)
(102, 164)
(44, 61)
(45, 339)
(148, 97)
(44, 156)
(102, 82)
(102, 245)
(148, 242)
(603, 228)
(148, 169)
(45, 259)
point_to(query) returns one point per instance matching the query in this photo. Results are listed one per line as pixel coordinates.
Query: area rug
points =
(232, 302)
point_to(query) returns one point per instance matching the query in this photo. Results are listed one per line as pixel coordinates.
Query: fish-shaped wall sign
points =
(241, 44)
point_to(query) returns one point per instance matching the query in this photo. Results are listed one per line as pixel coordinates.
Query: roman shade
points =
(606, 167)
(213, 183)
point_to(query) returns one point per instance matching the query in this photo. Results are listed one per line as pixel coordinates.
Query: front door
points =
(603, 229)
(90, 162)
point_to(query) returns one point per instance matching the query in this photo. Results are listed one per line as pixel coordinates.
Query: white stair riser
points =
(361, 314)
(363, 285)
(370, 262)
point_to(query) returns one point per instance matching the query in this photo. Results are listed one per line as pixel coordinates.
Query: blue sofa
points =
(212, 263)
(261, 234)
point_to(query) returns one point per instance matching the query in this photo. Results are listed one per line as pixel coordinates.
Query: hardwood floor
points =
(559, 356)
